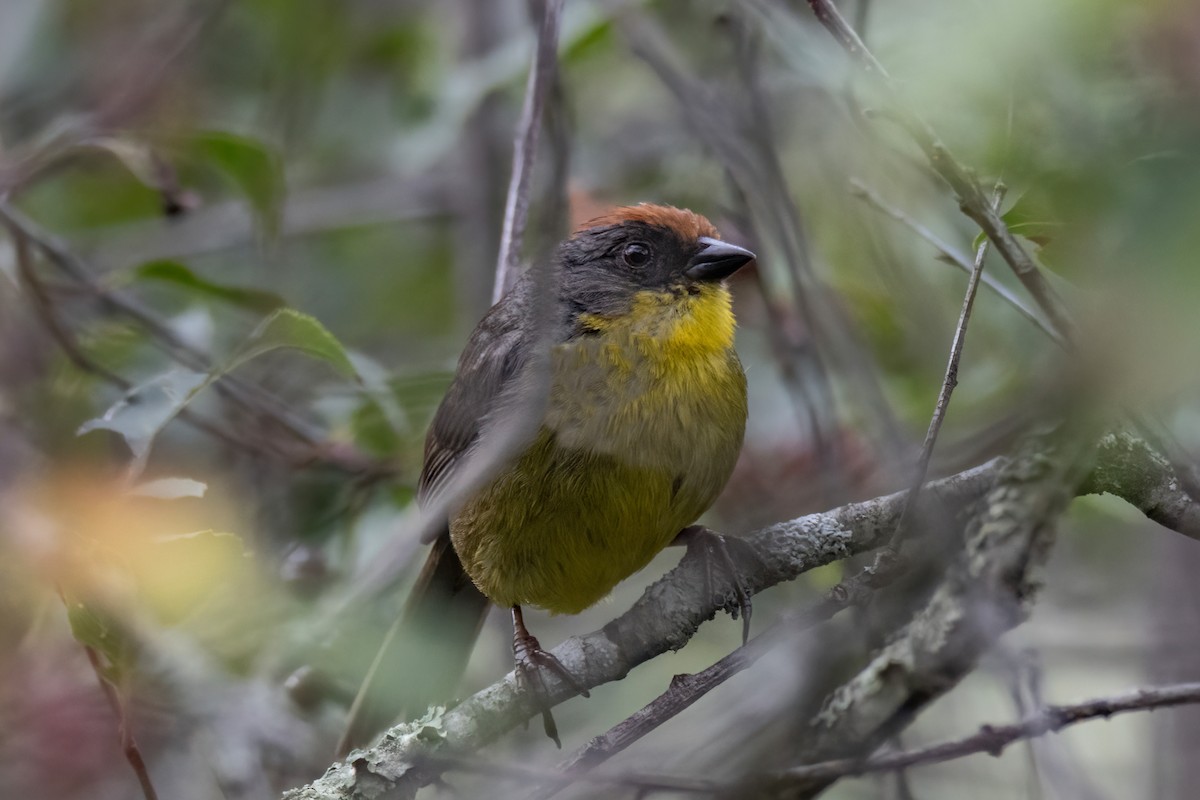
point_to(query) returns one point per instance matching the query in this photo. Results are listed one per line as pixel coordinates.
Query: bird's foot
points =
(531, 660)
(714, 550)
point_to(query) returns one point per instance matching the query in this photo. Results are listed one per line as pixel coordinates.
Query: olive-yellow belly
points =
(644, 423)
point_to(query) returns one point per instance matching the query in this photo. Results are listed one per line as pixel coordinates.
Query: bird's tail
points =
(424, 655)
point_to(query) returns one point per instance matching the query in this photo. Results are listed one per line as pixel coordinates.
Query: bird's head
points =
(640, 251)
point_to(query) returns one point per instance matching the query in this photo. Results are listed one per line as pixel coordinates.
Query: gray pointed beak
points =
(717, 260)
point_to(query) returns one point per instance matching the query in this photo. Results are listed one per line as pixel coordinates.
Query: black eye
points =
(636, 254)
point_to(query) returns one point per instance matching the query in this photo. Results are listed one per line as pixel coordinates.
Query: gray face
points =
(604, 267)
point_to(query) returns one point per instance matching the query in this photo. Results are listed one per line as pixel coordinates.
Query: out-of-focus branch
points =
(950, 255)
(971, 197)
(985, 594)
(43, 306)
(685, 690)
(750, 157)
(1030, 488)
(516, 208)
(250, 398)
(992, 739)
(227, 225)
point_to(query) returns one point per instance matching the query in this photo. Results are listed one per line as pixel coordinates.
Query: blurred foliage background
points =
(252, 236)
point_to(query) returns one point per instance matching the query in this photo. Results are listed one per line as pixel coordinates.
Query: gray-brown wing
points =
(494, 355)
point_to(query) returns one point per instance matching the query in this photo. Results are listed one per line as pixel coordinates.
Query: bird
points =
(642, 421)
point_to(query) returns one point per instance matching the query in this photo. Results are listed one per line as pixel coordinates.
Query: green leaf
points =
(142, 413)
(1039, 233)
(291, 329)
(256, 169)
(180, 275)
(97, 630)
(145, 410)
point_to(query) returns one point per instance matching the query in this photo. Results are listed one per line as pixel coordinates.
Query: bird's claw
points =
(714, 550)
(531, 660)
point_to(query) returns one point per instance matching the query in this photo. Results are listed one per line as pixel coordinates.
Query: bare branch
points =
(516, 207)
(1130, 469)
(992, 739)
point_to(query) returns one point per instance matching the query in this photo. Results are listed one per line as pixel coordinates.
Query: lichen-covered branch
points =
(1128, 468)
(664, 618)
(1007, 539)
(987, 592)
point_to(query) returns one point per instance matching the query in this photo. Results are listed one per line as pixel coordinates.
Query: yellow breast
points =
(644, 423)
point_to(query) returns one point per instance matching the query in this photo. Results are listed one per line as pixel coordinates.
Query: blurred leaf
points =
(372, 431)
(592, 39)
(180, 275)
(291, 329)
(255, 168)
(1026, 215)
(376, 380)
(92, 628)
(137, 157)
(145, 409)
(170, 488)
(1039, 233)
(145, 164)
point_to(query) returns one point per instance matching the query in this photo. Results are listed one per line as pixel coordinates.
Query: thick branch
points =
(672, 609)
(1130, 469)
(985, 594)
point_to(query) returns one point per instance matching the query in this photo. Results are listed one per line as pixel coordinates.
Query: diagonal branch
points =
(685, 690)
(673, 608)
(985, 594)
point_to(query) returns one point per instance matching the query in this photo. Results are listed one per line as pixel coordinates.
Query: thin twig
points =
(950, 255)
(516, 207)
(993, 739)
(949, 382)
(971, 198)
(129, 745)
(685, 690)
